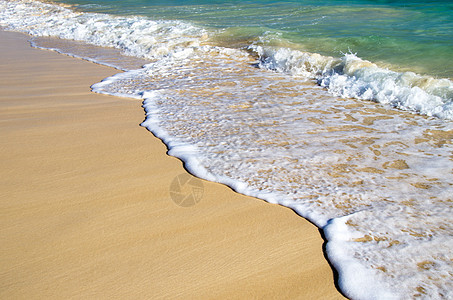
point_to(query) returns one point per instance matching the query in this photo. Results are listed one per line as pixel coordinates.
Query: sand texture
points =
(86, 210)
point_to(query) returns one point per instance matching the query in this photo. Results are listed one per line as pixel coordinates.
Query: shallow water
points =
(409, 35)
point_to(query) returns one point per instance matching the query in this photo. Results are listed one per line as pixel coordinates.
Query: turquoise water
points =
(409, 35)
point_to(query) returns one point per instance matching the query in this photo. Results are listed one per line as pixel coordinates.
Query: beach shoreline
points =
(87, 210)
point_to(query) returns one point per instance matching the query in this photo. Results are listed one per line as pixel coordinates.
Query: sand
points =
(86, 210)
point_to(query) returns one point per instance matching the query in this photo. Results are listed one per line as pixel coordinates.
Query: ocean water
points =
(340, 110)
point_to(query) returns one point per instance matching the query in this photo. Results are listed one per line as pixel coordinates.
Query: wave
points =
(348, 76)
(352, 77)
(134, 36)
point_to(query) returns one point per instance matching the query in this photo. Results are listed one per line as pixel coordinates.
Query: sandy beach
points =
(86, 210)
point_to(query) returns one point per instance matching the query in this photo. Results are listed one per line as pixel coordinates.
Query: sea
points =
(339, 110)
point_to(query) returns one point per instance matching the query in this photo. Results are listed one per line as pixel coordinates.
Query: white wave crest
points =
(135, 36)
(353, 77)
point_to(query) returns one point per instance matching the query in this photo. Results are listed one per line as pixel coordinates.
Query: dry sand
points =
(86, 210)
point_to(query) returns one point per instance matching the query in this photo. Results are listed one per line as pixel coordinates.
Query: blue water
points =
(409, 35)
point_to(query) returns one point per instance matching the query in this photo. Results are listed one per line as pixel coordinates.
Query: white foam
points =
(135, 36)
(353, 77)
(356, 281)
(262, 135)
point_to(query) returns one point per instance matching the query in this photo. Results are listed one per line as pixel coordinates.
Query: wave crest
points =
(352, 77)
(134, 36)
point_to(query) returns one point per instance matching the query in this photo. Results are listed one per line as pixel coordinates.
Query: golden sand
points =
(86, 210)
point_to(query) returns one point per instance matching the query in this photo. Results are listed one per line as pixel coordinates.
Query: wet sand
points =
(86, 210)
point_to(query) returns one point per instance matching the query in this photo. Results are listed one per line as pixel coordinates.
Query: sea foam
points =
(352, 77)
(376, 180)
